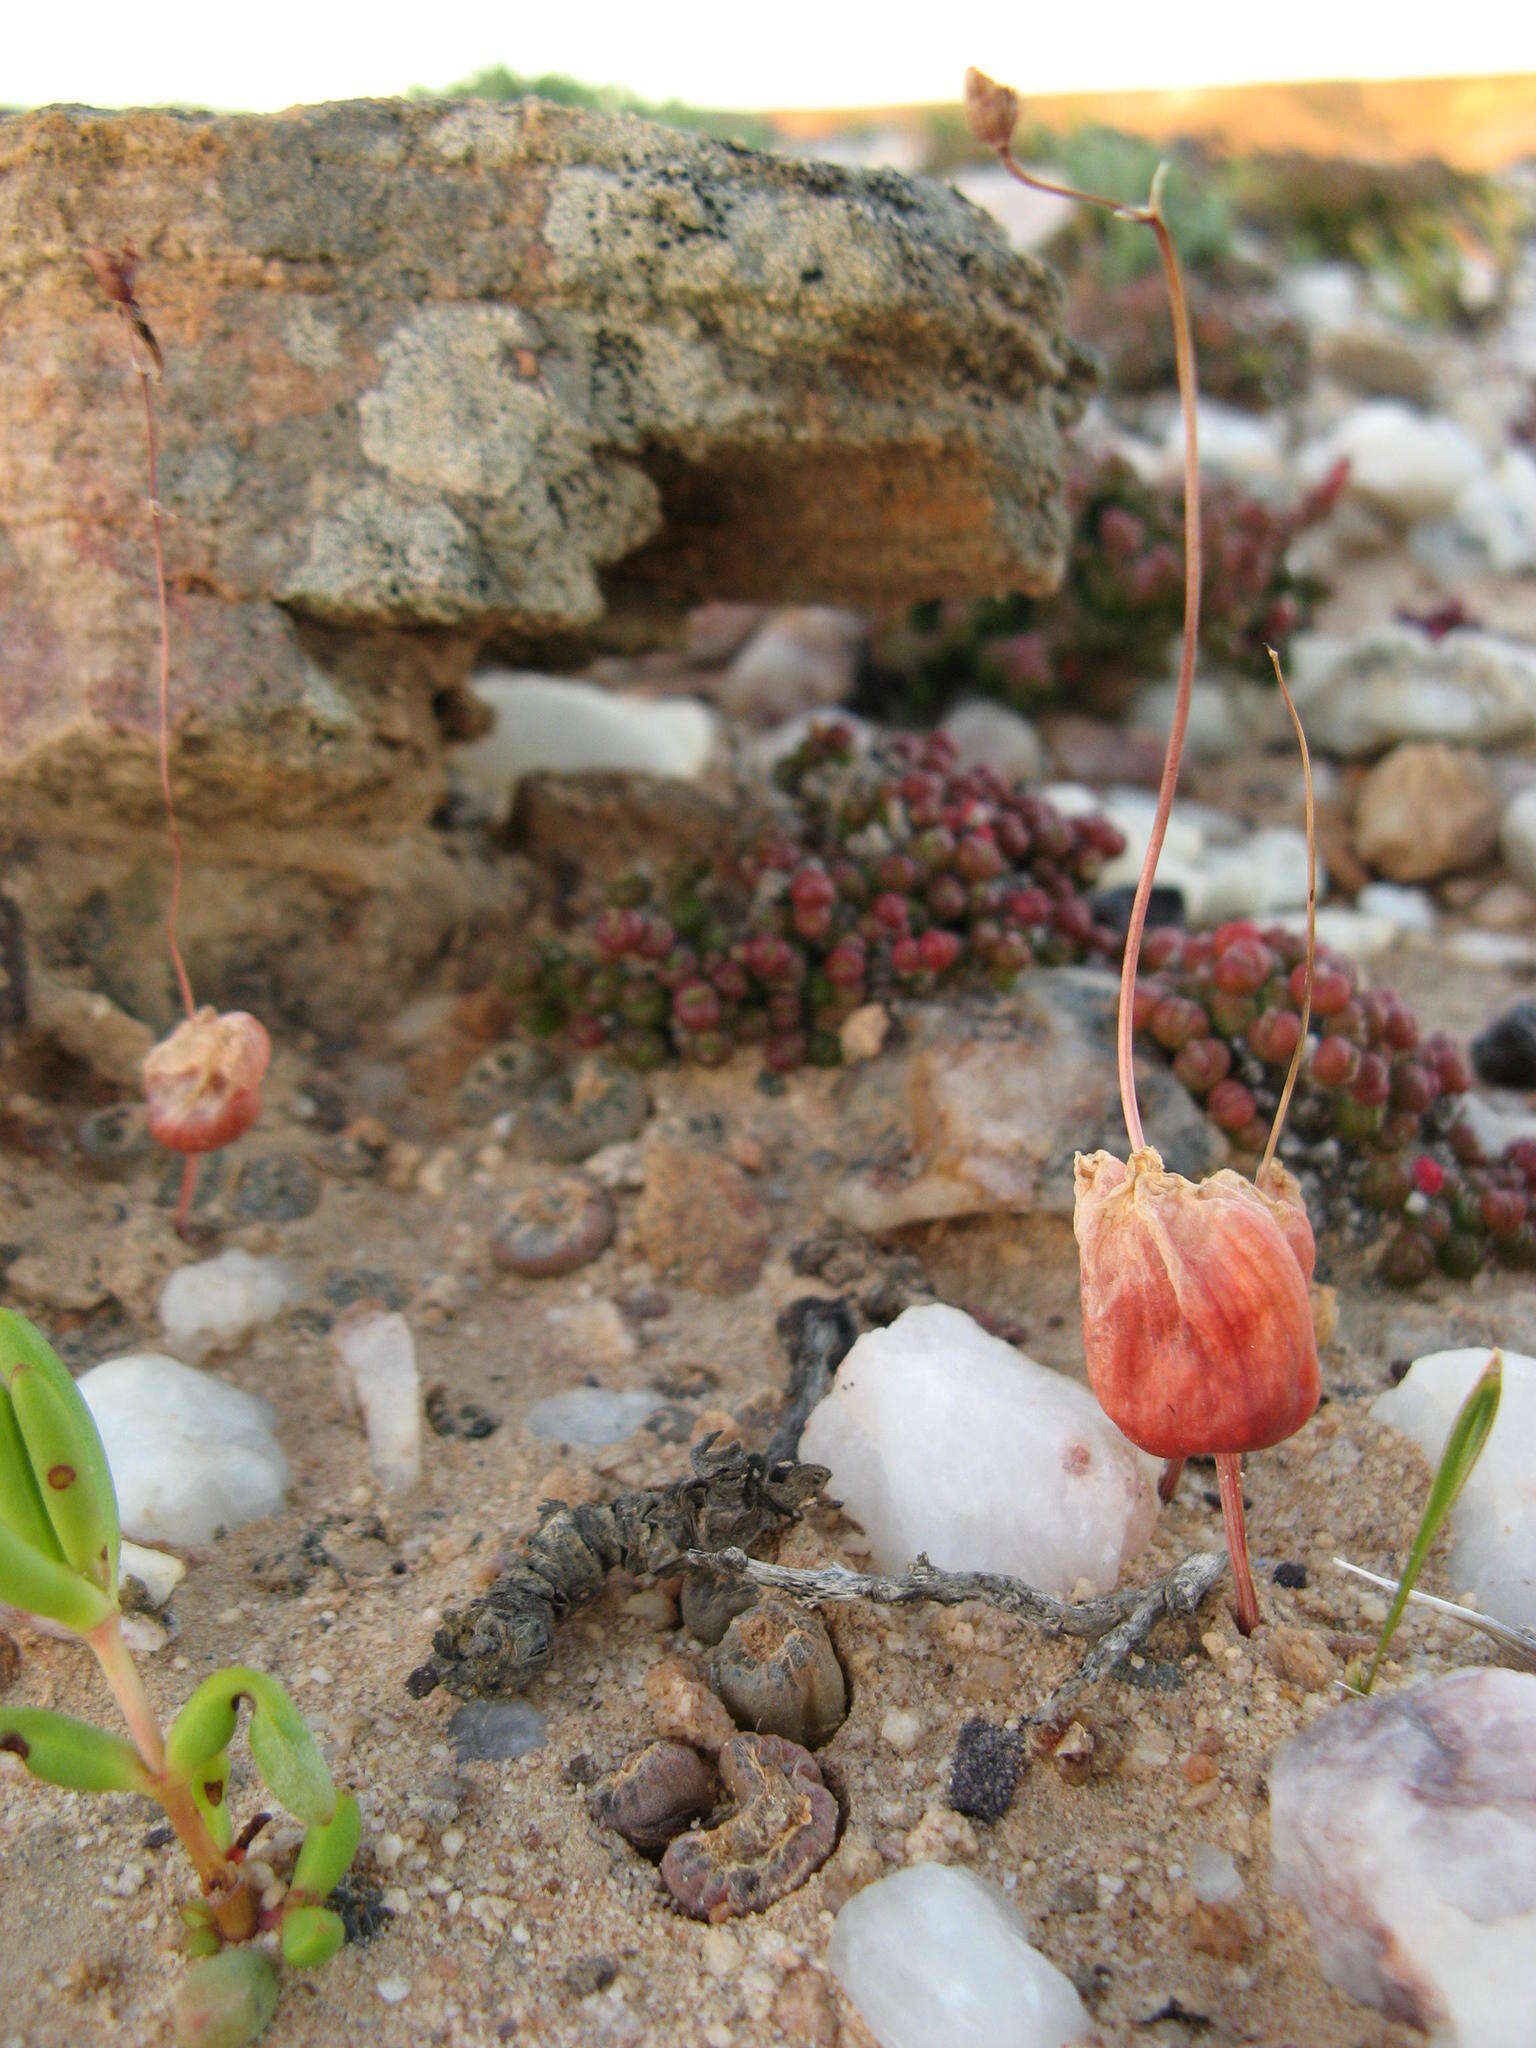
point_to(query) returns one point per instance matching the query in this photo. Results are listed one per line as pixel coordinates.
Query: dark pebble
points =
(1293, 1576)
(588, 1974)
(494, 1730)
(10, 1661)
(984, 1774)
(362, 1908)
(362, 1283)
(1153, 1674)
(279, 1188)
(469, 1420)
(1505, 1054)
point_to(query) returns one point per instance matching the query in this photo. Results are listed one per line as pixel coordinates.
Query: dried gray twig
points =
(1117, 1624)
(503, 1639)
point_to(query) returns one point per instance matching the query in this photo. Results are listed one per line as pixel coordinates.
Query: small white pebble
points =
(901, 1729)
(451, 1841)
(393, 1990)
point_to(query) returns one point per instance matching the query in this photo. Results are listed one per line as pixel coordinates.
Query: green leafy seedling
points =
(60, 1537)
(1463, 1447)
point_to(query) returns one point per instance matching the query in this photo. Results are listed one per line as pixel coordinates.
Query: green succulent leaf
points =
(311, 1936)
(328, 1849)
(282, 1748)
(225, 2001)
(210, 1788)
(61, 1751)
(1463, 1447)
(48, 1588)
(21, 1505)
(64, 1448)
(204, 1728)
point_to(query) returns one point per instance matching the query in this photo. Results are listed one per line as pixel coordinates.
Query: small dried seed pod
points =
(575, 1115)
(991, 110)
(202, 1085)
(777, 1671)
(553, 1228)
(784, 1828)
(655, 1795)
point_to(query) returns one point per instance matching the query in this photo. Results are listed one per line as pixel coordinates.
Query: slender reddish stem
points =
(1151, 215)
(1306, 1001)
(152, 443)
(1168, 1479)
(182, 1218)
(1229, 1473)
(122, 1674)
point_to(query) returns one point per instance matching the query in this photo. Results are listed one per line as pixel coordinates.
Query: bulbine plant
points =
(59, 1543)
(1197, 1324)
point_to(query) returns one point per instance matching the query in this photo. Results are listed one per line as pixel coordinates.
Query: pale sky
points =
(784, 54)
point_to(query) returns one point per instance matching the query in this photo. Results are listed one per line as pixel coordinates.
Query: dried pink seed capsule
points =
(202, 1085)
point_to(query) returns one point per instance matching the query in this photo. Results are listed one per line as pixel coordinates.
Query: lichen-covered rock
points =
(441, 372)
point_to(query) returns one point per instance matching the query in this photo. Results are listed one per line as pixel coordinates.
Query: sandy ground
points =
(509, 1902)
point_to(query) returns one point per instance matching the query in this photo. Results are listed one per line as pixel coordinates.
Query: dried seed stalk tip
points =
(991, 110)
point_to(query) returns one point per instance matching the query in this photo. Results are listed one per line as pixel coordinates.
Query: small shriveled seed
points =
(783, 1828)
(655, 1795)
(553, 1228)
(575, 1115)
(777, 1671)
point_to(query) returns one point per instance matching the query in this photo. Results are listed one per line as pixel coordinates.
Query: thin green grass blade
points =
(1463, 1448)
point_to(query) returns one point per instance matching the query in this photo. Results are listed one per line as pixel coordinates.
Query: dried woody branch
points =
(1118, 1623)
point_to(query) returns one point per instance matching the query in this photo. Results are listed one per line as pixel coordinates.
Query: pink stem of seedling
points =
(122, 1675)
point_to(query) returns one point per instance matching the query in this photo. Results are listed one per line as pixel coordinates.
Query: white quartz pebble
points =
(215, 1305)
(557, 723)
(935, 1957)
(1493, 1524)
(377, 1377)
(591, 1416)
(189, 1454)
(1404, 1826)
(943, 1439)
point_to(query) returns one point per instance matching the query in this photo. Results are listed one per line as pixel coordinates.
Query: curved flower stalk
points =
(202, 1084)
(1196, 1320)
(59, 1543)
